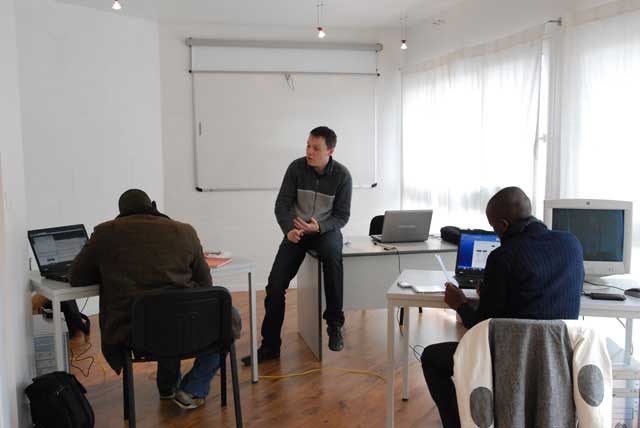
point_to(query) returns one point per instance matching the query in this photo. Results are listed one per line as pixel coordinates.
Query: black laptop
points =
(473, 250)
(55, 248)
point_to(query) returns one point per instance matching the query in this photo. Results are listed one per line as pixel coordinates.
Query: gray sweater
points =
(304, 193)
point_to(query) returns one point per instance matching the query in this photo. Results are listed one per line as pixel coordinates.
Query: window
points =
(600, 131)
(470, 127)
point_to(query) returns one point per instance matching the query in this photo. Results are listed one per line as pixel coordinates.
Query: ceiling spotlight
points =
(321, 32)
(116, 5)
(403, 32)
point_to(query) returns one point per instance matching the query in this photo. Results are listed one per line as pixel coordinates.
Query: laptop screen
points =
(473, 250)
(56, 247)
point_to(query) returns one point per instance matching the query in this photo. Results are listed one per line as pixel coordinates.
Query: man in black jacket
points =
(535, 274)
(313, 204)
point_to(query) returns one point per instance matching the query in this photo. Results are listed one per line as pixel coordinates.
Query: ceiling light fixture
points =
(116, 5)
(403, 32)
(319, 16)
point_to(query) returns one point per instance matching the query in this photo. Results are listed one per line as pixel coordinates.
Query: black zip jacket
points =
(304, 193)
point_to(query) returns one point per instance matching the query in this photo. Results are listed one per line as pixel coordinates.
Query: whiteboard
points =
(250, 126)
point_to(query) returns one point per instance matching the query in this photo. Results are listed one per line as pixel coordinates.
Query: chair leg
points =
(401, 322)
(128, 395)
(223, 378)
(125, 393)
(236, 386)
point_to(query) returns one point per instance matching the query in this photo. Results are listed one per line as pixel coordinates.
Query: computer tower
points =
(44, 345)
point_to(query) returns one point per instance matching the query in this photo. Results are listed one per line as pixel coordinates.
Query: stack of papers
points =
(437, 289)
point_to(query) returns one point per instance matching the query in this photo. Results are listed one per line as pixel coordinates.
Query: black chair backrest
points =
(181, 322)
(375, 227)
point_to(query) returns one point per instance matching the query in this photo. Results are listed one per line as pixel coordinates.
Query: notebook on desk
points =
(55, 248)
(216, 262)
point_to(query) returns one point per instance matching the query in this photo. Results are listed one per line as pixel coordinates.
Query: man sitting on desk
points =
(535, 274)
(313, 204)
(143, 249)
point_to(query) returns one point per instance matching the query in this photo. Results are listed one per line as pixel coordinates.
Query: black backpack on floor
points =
(58, 401)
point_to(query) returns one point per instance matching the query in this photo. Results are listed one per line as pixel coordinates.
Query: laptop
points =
(405, 226)
(473, 250)
(55, 248)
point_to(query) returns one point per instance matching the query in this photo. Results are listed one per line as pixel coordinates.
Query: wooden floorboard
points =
(325, 399)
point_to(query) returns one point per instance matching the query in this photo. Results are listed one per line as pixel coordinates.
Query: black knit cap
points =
(136, 201)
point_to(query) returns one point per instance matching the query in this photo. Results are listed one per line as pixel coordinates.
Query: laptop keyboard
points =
(57, 276)
(466, 282)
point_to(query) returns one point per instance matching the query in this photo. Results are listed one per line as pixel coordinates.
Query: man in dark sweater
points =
(313, 204)
(535, 274)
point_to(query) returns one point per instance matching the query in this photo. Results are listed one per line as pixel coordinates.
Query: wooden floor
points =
(325, 399)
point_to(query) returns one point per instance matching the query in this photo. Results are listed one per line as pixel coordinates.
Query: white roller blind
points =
(236, 56)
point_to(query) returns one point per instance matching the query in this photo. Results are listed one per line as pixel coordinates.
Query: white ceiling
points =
(289, 13)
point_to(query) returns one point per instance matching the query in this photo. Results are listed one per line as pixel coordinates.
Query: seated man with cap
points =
(130, 255)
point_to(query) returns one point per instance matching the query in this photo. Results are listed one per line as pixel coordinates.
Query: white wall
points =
(90, 86)
(15, 357)
(474, 22)
(243, 222)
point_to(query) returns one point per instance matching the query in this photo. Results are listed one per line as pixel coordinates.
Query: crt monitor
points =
(603, 227)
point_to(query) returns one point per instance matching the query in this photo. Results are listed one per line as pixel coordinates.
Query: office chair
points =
(181, 323)
(375, 228)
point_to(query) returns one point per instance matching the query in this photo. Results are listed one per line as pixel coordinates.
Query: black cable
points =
(85, 304)
(90, 357)
(416, 353)
(604, 285)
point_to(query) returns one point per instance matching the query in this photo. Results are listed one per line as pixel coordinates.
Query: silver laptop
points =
(405, 226)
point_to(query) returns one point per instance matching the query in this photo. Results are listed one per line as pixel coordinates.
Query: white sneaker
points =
(187, 401)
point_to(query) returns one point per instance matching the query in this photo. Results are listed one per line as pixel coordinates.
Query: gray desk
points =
(58, 292)
(368, 271)
(406, 298)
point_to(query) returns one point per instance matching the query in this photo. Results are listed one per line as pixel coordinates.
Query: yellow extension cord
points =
(266, 377)
(363, 372)
(352, 371)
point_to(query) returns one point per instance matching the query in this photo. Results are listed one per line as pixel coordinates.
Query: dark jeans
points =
(437, 365)
(197, 382)
(328, 246)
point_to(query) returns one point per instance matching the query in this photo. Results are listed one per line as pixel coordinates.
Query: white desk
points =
(368, 271)
(58, 292)
(403, 297)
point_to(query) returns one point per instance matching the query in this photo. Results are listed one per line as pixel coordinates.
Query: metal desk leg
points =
(57, 331)
(628, 340)
(405, 353)
(391, 336)
(253, 331)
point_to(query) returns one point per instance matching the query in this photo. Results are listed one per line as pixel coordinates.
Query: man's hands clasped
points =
(302, 228)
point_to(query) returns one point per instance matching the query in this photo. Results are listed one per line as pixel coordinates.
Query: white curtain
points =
(470, 128)
(598, 154)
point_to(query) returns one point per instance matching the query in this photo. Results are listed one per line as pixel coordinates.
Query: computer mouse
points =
(633, 292)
